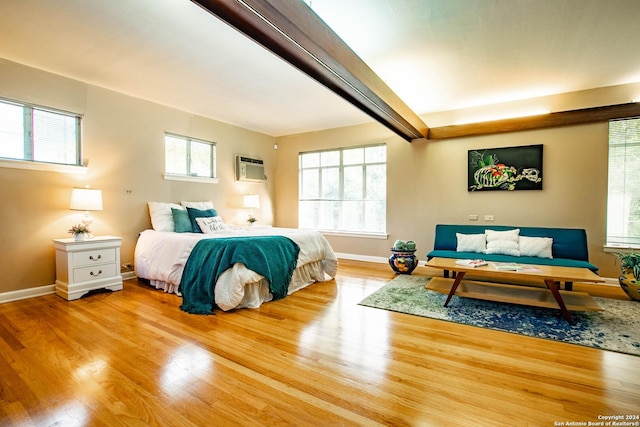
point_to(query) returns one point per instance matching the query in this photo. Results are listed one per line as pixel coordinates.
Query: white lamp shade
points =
(251, 201)
(86, 199)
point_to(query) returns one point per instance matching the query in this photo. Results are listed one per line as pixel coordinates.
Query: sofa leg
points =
(568, 286)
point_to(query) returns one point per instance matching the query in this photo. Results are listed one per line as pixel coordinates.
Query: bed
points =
(161, 256)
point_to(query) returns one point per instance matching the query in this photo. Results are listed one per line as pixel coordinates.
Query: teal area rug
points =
(617, 328)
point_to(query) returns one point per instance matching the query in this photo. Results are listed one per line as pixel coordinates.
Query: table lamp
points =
(86, 199)
(251, 202)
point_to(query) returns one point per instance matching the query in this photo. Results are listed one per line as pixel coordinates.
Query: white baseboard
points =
(367, 258)
(43, 290)
(127, 275)
(27, 293)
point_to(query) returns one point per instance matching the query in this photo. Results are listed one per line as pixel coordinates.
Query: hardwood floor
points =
(315, 358)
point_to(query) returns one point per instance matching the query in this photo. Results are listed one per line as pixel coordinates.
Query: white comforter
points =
(161, 256)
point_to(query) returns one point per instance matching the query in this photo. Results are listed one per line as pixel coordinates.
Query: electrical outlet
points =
(127, 266)
(473, 217)
(488, 218)
(128, 192)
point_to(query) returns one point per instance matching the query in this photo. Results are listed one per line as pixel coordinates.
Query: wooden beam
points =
(562, 118)
(291, 30)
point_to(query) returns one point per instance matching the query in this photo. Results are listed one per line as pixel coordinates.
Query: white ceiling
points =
(435, 54)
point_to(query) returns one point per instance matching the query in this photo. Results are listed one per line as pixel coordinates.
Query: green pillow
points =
(181, 220)
(199, 213)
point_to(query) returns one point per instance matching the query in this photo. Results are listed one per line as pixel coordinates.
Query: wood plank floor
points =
(315, 358)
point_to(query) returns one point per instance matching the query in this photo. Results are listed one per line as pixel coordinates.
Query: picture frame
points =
(505, 169)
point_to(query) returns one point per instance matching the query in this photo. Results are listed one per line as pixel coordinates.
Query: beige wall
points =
(123, 140)
(123, 146)
(427, 181)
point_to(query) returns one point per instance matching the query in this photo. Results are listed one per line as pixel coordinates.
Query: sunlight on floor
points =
(186, 364)
(357, 341)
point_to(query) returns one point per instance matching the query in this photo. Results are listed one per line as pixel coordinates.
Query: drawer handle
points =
(94, 259)
(94, 274)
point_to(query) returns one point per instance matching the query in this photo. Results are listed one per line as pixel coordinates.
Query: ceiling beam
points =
(292, 30)
(561, 118)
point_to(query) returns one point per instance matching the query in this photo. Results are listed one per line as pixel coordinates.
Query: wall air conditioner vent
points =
(249, 170)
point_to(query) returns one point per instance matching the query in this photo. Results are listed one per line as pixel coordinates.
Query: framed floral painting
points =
(505, 169)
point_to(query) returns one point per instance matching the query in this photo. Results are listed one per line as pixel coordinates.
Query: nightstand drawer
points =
(96, 256)
(94, 272)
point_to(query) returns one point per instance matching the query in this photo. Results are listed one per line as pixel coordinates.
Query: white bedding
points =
(160, 257)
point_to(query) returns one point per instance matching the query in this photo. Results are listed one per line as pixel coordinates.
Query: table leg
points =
(456, 282)
(553, 287)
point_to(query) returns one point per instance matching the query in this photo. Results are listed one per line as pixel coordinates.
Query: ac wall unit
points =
(249, 170)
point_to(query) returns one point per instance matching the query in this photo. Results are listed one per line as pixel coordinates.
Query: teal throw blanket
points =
(274, 257)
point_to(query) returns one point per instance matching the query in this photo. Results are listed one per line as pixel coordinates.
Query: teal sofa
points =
(569, 247)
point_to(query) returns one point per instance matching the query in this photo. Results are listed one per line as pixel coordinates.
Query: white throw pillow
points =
(211, 224)
(471, 242)
(161, 216)
(536, 246)
(503, 247)
(493, 235)
(503, 242)
(208, 204)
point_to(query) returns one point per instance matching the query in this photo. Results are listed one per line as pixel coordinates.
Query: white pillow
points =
(493, 235)
(536, 246)
(470, 242)
(504, 247)
(211, 224)
(503, 242)
(161, 217)
(198, 205)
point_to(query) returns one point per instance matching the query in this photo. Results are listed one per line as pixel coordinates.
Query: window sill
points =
(39, 166)
(200, 179)
(612, 248)
(358, 234)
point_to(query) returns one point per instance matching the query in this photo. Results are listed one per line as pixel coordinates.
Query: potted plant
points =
(403, 259)
(630, 269)
(79, 231)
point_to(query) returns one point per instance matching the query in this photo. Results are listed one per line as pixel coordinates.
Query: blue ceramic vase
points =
(403, 262)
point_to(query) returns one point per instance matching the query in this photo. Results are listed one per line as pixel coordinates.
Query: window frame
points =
(27, 161)
(625, 240)
(188, 177)
(382, 234)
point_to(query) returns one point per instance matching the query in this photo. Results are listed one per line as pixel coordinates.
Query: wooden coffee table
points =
(518, 294)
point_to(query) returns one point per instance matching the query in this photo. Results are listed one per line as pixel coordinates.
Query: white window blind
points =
(623, 202)
(38, 134)
(343, 189)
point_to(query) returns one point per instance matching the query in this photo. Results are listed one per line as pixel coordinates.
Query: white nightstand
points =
(87, 265)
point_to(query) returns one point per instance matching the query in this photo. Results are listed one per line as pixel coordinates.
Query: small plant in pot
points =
(630, 268)
(79, 231)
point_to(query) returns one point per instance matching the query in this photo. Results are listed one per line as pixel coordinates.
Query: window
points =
(189, 157)
(623, 203)
(39, 134)
(344, 189)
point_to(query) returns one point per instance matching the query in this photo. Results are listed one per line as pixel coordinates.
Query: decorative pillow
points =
(493, 235)
(536, 246)
(161, 216)
(181, 220)
(198, 213)
(198, 205)
(211, 225)
(471, 242)
(503, 242)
